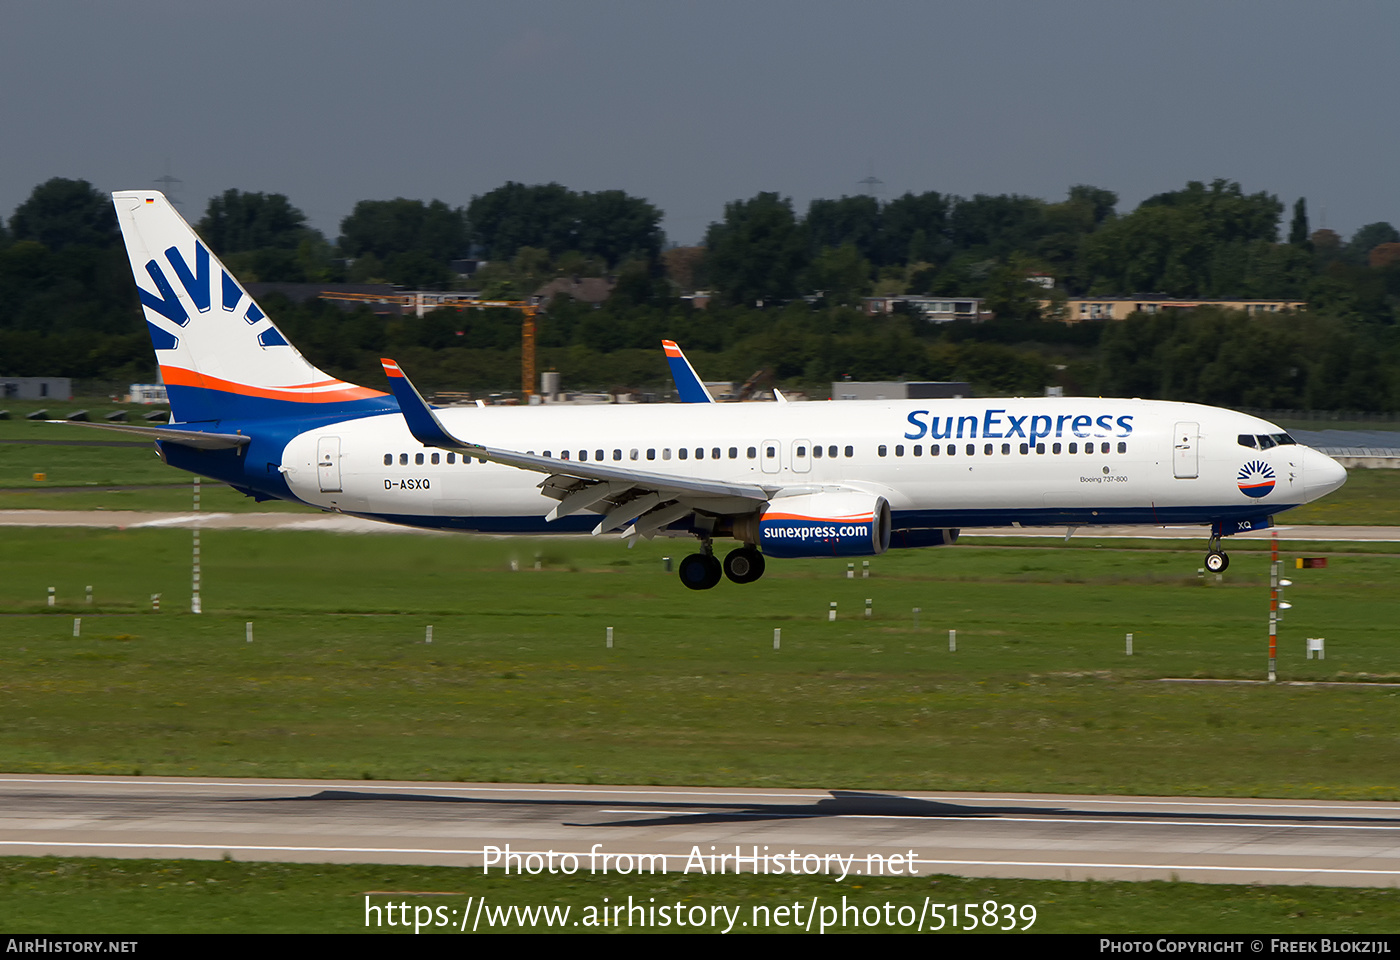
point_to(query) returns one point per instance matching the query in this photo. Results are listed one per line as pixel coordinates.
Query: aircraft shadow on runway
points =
(840, 803)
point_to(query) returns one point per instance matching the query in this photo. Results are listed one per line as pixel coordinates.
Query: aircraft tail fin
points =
(688, 385)
(220, 356)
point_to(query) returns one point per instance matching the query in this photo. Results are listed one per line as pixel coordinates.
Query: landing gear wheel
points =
(700, 571)
(744, 565)
(1217, 561)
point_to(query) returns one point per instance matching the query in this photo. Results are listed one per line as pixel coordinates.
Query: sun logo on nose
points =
(1256, 479)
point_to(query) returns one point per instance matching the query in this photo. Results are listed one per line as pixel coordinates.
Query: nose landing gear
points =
(1217, 560)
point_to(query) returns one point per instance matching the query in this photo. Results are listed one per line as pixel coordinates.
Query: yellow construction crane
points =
(422, 301)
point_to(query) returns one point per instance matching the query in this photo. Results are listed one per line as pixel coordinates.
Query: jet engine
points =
(837, 524)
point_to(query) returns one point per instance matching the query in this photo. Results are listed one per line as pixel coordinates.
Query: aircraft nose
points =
(1321, 475)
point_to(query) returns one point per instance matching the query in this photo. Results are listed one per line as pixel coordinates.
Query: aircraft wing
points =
(641, 502)
(199, 439)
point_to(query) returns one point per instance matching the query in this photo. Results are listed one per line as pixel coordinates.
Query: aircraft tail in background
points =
(220, 356)
(689, 387)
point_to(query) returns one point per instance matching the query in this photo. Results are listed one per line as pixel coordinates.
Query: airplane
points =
(819, 479)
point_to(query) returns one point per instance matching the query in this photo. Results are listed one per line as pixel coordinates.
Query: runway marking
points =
(582, 854)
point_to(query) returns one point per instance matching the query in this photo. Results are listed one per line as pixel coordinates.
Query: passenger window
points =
(597, 455)
(583, 455)
(617, 454)
(714, 453)
(683, 453)
(436, 459)
(952, 449)
(1055, 448)
(452, 458)
(987, 449)
(802, 451)
(899, 450)
(699, 453)
(934, 449)
(831, 451)
(651, 453)
(918, 449)
(388, 459)
(817, 452)
(752, 453)
(1104, 447)
(971, 449)
(1025, 448)
(469, 459)
(418, 459)
(1074, 448)
(733, 453)
(850, 451)
(772, 452)
(666, 453)
(1005, 449)
(563, 454)
(403, 459)
(632, 454)
(883, 450)
(1040, 448)
(1122, 448)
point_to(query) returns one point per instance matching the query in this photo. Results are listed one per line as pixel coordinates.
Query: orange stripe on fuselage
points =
(299, 393)
(853, 518)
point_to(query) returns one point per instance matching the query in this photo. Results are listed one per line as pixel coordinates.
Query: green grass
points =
(64, 895)
(1369, 498)
(518, 685)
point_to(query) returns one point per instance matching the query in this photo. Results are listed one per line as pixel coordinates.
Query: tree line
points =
(786, 290)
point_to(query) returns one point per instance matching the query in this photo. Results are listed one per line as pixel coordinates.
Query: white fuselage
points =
(1070, 461)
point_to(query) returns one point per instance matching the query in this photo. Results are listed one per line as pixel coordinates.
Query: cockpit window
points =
(1247, 440)
(1284, 439)
(1266, 442)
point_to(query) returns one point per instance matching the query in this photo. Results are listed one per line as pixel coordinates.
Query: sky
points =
(695, 104)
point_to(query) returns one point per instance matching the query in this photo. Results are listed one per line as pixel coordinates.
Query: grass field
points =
(518, 685)
(49, 895)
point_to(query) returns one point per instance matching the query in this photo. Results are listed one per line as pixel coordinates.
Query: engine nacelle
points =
(839, 524)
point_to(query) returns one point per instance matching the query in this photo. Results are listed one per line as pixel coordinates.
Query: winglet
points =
(422, 422)
(688, 385)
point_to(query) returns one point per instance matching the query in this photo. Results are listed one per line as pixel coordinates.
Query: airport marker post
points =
(1273, 608)
(196, 605)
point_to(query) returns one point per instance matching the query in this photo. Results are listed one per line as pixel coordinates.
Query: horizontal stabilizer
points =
(199, 439)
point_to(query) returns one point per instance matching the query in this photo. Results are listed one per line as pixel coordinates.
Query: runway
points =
(836, 833)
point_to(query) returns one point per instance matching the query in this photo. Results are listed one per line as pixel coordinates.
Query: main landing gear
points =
(1217, 560)
(701, 571)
